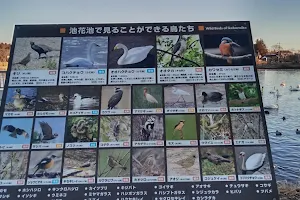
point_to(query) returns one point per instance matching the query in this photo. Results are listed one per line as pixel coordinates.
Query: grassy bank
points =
(288, 191)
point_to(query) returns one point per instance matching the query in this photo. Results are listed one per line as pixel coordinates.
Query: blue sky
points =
(273, 20)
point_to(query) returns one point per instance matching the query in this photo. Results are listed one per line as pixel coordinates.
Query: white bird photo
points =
(84, 98)
(179, 96)
(147, 96)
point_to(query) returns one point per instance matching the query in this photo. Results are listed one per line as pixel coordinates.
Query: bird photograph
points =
(217, 161)
(115, 129)
(179, 51)
(243, 95)
(16, 130)
(115, 97)
(132, 52)
(13, 165)
(114, 163)
(148, 162)
(252, 160)
(84, 98)
(84, 53)
(20, 99)
(247, 126)
(211, 95)
(52, 98)
(80, 163)
(214, 127)
(147, 128)
(228, 50)
(81, 129)
(179, 96)
(36, 53)
(49, 130)
(147, 96)
(45, 164)
(180, 127)
(183, 162)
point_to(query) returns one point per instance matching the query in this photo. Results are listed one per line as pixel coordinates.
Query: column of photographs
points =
(139, 133)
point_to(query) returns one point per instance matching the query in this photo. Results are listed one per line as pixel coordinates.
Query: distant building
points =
(270, 58)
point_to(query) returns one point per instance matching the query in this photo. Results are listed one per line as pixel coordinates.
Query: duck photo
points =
(20, 99)
(211, 95)
(84, 98)
(132, 52)
(52, 98)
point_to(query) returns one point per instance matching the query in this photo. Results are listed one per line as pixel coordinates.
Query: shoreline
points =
(278, 66)
(288, 190)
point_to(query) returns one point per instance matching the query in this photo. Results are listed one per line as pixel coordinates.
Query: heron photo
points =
(148, 162)
(115, 128)
(147, 96)
(20, 99)
(13, 165)
(52, 98)
(132, 52)
(84, 53)
(210, 95)
(36, 53)
(115, 97)
(179, 51)
(49, 130)
(84, 98)
(80, 163)
(252, 160)
(217, 161)
(243, 95)
(229, 49)
(247, 126)
(45, 164)
(183, 162)
(114, 163)
(147, 127)
(214, 127)
(179, 96)
(180, 127)
(16, 130)
(81, 129)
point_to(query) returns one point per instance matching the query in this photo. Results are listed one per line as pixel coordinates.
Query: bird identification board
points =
(154, 111)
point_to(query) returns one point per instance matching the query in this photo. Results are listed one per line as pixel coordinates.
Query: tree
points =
(260, 47)
(277, 47)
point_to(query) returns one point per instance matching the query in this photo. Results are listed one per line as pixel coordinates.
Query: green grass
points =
(209, 168)
(139, 100)
(189, 129)
(50, 64)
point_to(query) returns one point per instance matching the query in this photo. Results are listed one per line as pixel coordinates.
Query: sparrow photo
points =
(132, 52)
(16, 131)
(13, 165)
(214, 127)
(20, 99)
(84, 53)
(243, 95)
(148, 162)
(84, 98)
(36, 53)
(247, 126)
(147, 96)
(217, 161)
(81, 129)
(147, 127)
(180, 127)
(252, 160)
(211, 95)
(45, 164)
(179, 96)
(114, 163)
(179, 51)
(115, 97)
(49, 130)
(183, 162)
(52, 98)
(80, 163)
(229, 49)
(115, 128)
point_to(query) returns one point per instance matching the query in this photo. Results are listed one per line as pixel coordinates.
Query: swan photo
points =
(84, 98)
(132, 52)
(211, 96)
(84, 53)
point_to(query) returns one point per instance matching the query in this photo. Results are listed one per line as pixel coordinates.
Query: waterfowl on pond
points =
(272, 106)
(283, 118)
(297, 131)
(267, 112)
(278, 133)
(82, 101)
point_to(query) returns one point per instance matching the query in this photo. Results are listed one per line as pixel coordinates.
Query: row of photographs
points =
(142, 130)
(143, 99)
(137, 165)
(165, 51)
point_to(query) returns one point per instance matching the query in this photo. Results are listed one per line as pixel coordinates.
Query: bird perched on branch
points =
(115, 98)
(149, 97)
(178, 127)
(41, 49)
(216, 159)
(179, 48)
(227, 48)
(47, 131)
(14, 132)
(113, 163)
(148, 128)
(45, 163)
(25, 60)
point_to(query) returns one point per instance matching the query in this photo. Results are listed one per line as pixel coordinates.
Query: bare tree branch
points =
(180, 57)
(227, 57)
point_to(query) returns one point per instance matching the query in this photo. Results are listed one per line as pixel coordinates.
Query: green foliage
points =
(189, 130)
(50, 64)
(250, 91)
(209, 168)
(139, 100)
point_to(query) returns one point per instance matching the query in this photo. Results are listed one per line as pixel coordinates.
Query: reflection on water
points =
(285, 148)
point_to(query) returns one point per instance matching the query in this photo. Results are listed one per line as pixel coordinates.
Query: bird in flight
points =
(15, 132)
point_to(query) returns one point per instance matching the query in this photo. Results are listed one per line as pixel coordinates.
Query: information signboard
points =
(168, 111)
